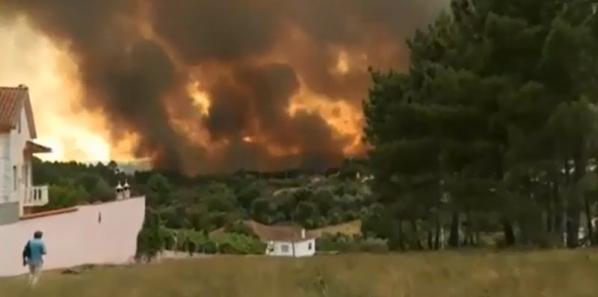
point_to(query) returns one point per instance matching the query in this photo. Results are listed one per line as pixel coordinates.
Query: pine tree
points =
(496, 111)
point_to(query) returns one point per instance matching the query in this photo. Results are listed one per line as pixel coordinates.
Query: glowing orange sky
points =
(29, 58)
(74, 134)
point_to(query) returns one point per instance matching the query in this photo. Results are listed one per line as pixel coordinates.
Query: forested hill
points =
(207, 203)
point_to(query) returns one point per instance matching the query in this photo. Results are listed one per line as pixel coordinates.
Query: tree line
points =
(492, 129)
(207, 203)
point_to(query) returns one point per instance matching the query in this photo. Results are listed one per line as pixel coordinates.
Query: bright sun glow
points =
(31, 59)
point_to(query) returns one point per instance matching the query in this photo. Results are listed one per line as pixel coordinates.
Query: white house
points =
(88, 234)
(285, 241)
(17, 148)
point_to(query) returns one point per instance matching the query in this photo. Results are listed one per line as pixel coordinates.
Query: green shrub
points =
(188, 240)
(239, 227)
(224, 243)
(346, 244)
(238, 244)
(152, 237)
(332, 242)
(372, 245)
(228, 248)
(209, 247)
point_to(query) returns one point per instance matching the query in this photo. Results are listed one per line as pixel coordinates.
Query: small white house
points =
(17, 132)
(285, 241)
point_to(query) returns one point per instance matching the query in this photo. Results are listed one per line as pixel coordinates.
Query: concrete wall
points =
(297, 249)
(5, 165)
(305, 248)
(77, 238)
(9, 213)
(17, 142)
(15, 168)
(277, 248)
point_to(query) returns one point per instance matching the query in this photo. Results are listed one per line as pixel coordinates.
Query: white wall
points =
(17, 141)
(305, 248)
(77, 238)
(12, 145)
(276, 248)
(5, 171)
(297, 249)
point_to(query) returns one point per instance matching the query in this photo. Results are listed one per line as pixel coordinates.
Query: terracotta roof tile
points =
(277, 233)
(12, 99)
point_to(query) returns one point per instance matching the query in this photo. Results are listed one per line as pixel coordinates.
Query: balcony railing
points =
(36, 196)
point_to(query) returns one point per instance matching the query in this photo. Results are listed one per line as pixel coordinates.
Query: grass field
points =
(467, 274)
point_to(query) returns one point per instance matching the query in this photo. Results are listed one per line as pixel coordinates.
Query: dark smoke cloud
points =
(138, 81)
(131, 89)
(228, 112)
(255, 102)
(125, 75)
(217, 30)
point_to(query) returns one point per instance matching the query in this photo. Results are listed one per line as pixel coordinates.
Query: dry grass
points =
(472, 274)
(350, 229)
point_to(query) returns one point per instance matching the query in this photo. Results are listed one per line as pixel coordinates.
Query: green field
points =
(475, 274)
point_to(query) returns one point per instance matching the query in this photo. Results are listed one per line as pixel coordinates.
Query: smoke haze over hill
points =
(212, 86)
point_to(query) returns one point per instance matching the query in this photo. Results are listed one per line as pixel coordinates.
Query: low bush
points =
(209, 247)
(225, 243)
(346, 244)
(239, 227)
(239, 244)
(151, 239)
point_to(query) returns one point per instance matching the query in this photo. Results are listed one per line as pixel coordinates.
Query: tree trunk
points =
(549, 214)
(416, 239)
(469, 241)
(508, 233)
(401, 236)
(560, 215)
(572, 229)
(557, 209)
(590, 232)
(437, 235)
(563, 227)
(574, 202)
(454, 236)
(465, 228)
(430, 240)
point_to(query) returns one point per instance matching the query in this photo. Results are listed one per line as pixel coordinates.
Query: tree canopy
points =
(493, 124)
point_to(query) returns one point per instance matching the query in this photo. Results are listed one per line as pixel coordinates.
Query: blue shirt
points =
(37, 250)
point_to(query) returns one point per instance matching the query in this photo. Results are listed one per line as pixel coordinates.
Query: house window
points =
(19, 125)
(284, 248)
(309, 246)
(14, 178)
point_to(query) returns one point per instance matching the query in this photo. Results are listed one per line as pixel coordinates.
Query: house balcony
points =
(36, 196)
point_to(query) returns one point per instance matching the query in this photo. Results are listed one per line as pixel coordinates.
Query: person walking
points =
(33, 255)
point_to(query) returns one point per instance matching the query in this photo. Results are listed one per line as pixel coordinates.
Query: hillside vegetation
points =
(352, 228)
(443, 274)
(488, 138)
